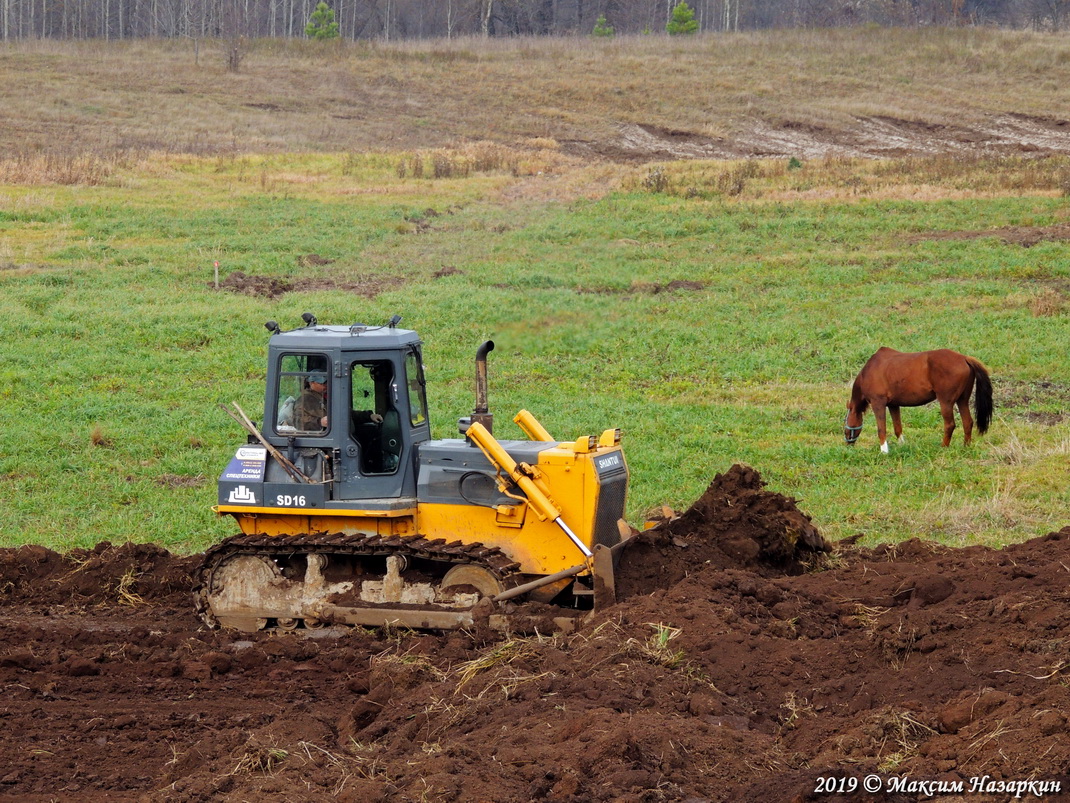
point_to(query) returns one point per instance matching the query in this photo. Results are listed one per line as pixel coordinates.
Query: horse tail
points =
(982, 399)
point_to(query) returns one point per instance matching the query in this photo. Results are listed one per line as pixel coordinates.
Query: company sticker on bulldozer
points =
(247, 465)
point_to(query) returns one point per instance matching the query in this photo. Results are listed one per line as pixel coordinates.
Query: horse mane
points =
(982, 399)
(858, 401)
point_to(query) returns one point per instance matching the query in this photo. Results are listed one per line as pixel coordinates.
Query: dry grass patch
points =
(406, 670)
(898, 735)
(125, 590)
(939, 177)
(536, 157)
(657, 648)
(498, 655)
(179, 97)
(56, 168)
(793, 710)
(1006, 508)
(1048, 303)
(97, 437)
(1015, 452)
(868, 617)
(257, 757)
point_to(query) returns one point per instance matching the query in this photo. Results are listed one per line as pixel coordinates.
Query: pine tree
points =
(682, 22)
(321, 24)
(601, 27)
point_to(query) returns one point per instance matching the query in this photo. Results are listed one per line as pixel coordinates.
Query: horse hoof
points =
(884, 448)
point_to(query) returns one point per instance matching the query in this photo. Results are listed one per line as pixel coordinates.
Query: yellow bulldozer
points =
(351, 514)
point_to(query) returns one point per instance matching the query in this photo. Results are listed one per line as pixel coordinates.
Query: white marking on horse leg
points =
(902, 439)
(884, 447)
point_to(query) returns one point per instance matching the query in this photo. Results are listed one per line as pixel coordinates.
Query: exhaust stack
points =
(482, 414)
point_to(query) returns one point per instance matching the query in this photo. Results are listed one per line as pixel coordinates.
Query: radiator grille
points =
(613, 488)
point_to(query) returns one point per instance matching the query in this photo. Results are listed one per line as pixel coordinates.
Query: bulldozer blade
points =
(605, 563)
(605, 587)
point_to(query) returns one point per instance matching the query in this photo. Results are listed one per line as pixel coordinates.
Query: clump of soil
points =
(313, 260)
(180, 480)
(266, 286)
(650, 288)
(273, 286)
(754, 665)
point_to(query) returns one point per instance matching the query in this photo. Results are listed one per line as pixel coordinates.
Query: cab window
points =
(374, 417)
(304, 386)
(414, 370)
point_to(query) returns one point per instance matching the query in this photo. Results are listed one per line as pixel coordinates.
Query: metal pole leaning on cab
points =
(241, 418)
(539, 501)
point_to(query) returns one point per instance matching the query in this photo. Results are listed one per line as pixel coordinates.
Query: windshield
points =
(304, 388)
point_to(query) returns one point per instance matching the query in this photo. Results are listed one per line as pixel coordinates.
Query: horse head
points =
(852, 425)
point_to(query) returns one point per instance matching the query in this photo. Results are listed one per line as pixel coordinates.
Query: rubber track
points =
(456, 552)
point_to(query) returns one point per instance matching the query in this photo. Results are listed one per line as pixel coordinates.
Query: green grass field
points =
(715, 311)
(117, 348)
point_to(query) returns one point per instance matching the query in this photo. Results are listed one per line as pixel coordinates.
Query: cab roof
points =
(358, 337)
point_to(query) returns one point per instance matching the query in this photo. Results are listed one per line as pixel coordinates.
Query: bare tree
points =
(400, 19)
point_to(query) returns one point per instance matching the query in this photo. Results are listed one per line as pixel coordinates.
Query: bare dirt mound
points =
(879, 137)
(735, 524)
(274, 286)
(745, 671)
(1025, 236)
(131, 573)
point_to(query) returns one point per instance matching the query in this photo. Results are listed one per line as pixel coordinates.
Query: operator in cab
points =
(310, 411)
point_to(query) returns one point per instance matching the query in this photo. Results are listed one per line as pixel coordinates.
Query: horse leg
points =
(947, 410)
(897, 423)
(882, 425)
(967, 419)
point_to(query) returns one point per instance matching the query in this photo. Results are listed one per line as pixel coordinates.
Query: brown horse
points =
(893, 379)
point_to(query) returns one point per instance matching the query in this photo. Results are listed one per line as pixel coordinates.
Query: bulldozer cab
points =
(348, 403)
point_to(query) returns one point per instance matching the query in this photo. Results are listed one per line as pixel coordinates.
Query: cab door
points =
(383, 425)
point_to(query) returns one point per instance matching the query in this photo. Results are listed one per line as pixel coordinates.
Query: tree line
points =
(419, 19)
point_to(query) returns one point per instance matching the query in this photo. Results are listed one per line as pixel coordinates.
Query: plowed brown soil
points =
(736, 667)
